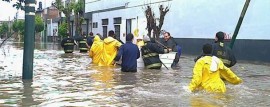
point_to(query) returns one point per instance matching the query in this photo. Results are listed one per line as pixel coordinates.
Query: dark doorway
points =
(128, 26)
(117, 31)
(105, 30)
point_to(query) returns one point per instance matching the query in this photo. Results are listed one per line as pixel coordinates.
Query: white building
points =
(186, 18)
(191, 21)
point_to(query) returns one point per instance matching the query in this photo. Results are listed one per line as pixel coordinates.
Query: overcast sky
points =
(6, 9)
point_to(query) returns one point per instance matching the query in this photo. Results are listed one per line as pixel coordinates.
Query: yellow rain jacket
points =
(207, 72)
(96, 50)
(110, 49)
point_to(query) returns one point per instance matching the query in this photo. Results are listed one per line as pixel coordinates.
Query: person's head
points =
(146, 38)
(101, 37)
(67, 34)
(207, 48)
(111, 33)
(84, 33)
(129, 37)
(167, 36)
(97, 38)
(219, 36)
(91, 34)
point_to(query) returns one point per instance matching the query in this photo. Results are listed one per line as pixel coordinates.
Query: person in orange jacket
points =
(207, 73)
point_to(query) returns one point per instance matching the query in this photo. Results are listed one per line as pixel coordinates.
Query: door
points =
(128, 26)
(105, 30)
(117, 31)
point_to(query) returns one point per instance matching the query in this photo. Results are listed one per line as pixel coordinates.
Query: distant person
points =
(207, 73)
(90, 39)
(129, 53)
(150, 53)
(169, 42)
(96, 50)
(68, 44)
(110, 50)
(83, 46)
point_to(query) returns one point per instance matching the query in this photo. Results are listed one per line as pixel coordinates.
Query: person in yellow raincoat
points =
(96, 50)
(207, 73)
(110, 49)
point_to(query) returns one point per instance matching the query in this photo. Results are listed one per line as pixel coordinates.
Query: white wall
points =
(202, 19)
(97, 17)
(191, 18)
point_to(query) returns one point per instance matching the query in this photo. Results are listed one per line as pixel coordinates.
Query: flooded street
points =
(71, 80)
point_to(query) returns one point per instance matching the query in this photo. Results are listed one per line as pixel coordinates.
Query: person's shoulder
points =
(204, 59)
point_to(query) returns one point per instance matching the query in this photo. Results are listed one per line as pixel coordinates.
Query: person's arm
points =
(119, 54)
(228, 75)
(75, 43)
(171, 44)
(62, 43)
(160, 50)
(197, 75)
(138, 54)
(198, 57)
(87, 45)
(91, 53)
(118, 44)
(231, 57)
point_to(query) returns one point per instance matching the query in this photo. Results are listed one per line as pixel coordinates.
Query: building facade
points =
(191, 22)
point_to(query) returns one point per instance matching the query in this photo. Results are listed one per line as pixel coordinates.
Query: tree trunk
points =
(68, 25)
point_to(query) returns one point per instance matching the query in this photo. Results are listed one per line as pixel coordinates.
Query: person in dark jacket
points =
(150, 54)
(224, 53)
(129, 53)
(90, 39)
(68, 44)
(83, 46)
(169, 42)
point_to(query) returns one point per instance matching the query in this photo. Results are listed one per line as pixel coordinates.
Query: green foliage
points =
(65, 8)
(78, 12)
(18, 5)
(4, 28)
(39, 24)
(18, 26)
(62, 30)
(79, 6)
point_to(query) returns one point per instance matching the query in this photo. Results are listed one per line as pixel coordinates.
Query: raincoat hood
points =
(109, 40)
(97, 38)
(214, 64)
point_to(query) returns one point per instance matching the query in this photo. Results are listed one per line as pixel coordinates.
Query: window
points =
(95, 24)
(117, 31)
(117, 20)
(105, 21)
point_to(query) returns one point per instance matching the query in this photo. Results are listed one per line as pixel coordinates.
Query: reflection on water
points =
(70, 80)
(27, 94)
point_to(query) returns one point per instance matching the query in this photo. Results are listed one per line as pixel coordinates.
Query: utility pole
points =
(239, 23)
(29, 38)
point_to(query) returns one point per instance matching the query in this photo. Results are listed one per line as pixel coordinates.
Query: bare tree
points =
(151, 20)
